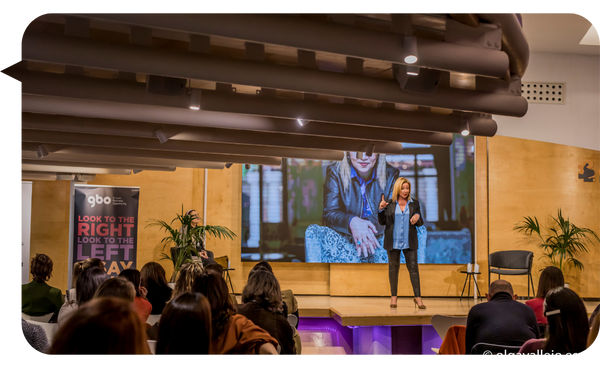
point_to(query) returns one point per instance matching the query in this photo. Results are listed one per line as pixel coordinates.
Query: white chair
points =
(49, 328)
(44, 318)
(443, 323)
(152, 319)
(152, 346)
(292, 319)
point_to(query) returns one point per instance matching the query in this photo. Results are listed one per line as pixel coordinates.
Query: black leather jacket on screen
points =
(340, 206)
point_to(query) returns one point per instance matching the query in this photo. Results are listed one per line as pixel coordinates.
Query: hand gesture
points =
(414, 219)
(203, 254)
(383, 202)
(143, 291)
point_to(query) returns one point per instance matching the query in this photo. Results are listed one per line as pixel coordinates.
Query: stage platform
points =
(367, 325)
(376, 311)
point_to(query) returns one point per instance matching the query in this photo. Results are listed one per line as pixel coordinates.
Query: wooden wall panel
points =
(531, 178)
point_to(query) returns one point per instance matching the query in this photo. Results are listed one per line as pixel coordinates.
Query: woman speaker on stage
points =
(401, 216)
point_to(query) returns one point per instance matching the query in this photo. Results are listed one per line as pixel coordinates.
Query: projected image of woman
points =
(351, 194)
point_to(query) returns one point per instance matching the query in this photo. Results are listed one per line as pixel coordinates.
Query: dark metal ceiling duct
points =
(79, 165)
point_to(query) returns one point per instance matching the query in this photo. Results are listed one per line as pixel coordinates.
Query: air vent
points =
(544, 92)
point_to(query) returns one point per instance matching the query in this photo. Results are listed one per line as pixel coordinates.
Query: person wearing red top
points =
(142, 305)
(552, 277)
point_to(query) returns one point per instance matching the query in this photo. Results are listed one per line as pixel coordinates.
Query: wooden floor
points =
(376, 311)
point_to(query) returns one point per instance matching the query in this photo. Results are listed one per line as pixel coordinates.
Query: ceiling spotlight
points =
(228, 165)
(42, 151)
(195, 99)
(410, 49)
(412, 70)
(247, 166)
(302, 122)
(464, 126)
(160, 134)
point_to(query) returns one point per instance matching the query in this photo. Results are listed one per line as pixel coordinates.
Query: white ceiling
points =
(560, 33)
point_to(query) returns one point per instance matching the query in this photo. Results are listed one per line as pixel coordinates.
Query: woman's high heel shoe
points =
(422, 306)
(394, 305)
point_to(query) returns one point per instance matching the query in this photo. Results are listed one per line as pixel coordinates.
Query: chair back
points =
(484, 348)
(223, 261)
(152, 346)
(442, 323)
(44, 318)
(513, 259)
(49, 328)
(152, 319)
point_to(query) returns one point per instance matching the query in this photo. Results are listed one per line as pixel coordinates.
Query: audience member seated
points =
(142, 305)
(185, 326)
(568, 325)
(263, 306)
(502, 320)
(291, 304)
(78, 268)
(552, 277)
(118, 287)
(35, 336)
(159, 291)
(218, 269)
(87, 284)
(102, 326)
(186, 276)
(37, 297)
(231, 333)
(594, 313)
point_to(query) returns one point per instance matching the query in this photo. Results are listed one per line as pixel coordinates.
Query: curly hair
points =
(41, 267)
(186, 276)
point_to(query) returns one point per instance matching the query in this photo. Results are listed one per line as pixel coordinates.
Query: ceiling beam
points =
(74, 169)
(305, 34)
(81, 166)
(60, 49)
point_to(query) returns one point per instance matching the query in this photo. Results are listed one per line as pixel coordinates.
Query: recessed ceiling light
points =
(592, 37)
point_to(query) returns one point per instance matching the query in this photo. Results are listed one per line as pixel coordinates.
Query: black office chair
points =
(484, 348)
(511, 262)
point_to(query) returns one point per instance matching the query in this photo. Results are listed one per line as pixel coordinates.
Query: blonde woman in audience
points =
(38, 298)
(105, 325)
(78, 268)
(231, 333)
(186, 276)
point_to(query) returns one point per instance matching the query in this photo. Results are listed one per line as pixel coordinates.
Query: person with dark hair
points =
(38, 298)
(231, 333)
(206, 256)
(290, 304)
(35, 336)
(551, 277)
(263, 265)
(104, 325)
(594, 327)
(142, 305)
(118, 287)
(185, 326)
(87, 284)
(214, 267)
(502, 320)
(78, 268)
(568, 325)
(263, 305)
(154, 280)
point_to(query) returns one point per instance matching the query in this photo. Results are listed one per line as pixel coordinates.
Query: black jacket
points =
(387, 217)
(501, 321)
(340, 206)
(274, 323)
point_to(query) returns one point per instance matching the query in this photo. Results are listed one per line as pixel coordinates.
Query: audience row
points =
(198, 315)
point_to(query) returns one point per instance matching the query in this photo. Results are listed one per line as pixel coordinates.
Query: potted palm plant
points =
(183, 243)
(564, 241)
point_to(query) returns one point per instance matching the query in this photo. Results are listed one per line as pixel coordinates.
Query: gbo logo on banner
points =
(98, 200)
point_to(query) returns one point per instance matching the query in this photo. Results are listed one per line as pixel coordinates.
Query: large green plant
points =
(186, 241)
(564, 242)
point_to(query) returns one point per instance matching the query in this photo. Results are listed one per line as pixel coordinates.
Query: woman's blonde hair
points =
(186, 276)
(381, 173)
(398, 188)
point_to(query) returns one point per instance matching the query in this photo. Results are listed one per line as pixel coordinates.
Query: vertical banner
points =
(105, 226)
(26, 194)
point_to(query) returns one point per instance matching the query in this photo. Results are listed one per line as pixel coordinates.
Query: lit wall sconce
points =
(195, 99)
(412, 70)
